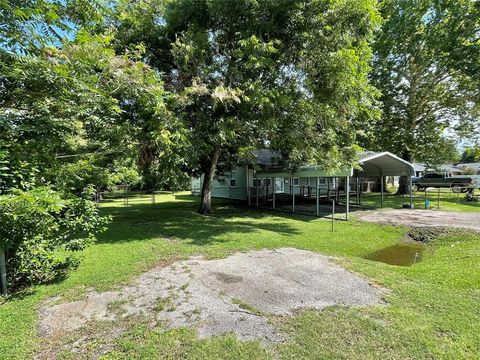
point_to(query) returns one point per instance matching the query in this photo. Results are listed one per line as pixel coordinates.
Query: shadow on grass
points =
(179, 219)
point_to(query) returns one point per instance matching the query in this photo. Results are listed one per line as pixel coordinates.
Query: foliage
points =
(15, 173)
(288, 74)
(471, 154)
(40, 230)
(31, 24)
(84, 102)
(426, 64)
(74, 177)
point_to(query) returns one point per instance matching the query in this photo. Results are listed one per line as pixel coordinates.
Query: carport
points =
(384, 164)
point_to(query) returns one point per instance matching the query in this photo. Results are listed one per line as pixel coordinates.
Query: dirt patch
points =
(422, 218)
(231, 295)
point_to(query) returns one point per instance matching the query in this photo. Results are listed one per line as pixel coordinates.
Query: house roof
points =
(419, 167)
(267, 157)
(475, 165)
(450, 168)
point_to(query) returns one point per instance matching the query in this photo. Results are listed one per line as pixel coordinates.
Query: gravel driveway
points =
(468, 220)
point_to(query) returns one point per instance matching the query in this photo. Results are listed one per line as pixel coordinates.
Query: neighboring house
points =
(451, 169)
(454, 170)
(419, 169)
(470, 166)
(265, 182)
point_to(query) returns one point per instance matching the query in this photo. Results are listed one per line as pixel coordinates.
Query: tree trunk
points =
(206, 198)
(404, 183)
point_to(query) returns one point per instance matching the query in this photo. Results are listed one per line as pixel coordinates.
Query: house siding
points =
(221, 186)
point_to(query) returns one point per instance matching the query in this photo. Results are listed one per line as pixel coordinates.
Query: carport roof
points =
(383, 164)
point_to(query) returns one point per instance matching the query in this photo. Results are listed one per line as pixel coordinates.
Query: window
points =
(322, 181)
(232, 182)
(295, 181)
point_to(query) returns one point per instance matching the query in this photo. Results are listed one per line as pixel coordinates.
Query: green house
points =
(266, 184)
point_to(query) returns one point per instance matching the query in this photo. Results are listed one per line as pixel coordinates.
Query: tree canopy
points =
(289, 75)
(427, 66)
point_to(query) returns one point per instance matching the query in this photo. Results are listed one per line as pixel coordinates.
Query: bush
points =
(41, 231)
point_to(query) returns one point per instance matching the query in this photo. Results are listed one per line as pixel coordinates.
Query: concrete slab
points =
(231, 295)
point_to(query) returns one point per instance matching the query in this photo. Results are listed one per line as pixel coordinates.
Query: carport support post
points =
(411, 194)
(347, 194)
(318, 196)
(3, 272)
(381, 190)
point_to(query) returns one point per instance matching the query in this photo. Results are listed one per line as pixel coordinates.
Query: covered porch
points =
(311, 191)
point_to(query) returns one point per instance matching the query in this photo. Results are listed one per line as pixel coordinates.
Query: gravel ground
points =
(234, 294)
(421, 218)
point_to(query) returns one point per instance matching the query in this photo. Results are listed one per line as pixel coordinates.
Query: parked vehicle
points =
(456, 183)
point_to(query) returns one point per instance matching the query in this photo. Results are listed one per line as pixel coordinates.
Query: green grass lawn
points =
(433, 309)
(444, 199)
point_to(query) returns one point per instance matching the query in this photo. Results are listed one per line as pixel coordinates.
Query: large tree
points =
(288, 74)
(427, 67)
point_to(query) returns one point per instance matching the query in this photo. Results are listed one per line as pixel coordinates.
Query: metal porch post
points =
(256, 186)
(273, 190)
(347, 194)
(328, 189)
(265, 193)
(3, 272)
(249, 193)
(293, 194)
(318, 196)
(358, 190)
(337, 191)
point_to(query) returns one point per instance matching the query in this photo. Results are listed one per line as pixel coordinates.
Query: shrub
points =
(41, 231)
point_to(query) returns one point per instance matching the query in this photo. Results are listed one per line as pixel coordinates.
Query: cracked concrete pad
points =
(467, 220)
(215, 297)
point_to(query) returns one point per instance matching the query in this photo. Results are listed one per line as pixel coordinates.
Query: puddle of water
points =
(400, 254)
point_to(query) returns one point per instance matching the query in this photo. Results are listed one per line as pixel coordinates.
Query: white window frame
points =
(296, 181)
(234, 182)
